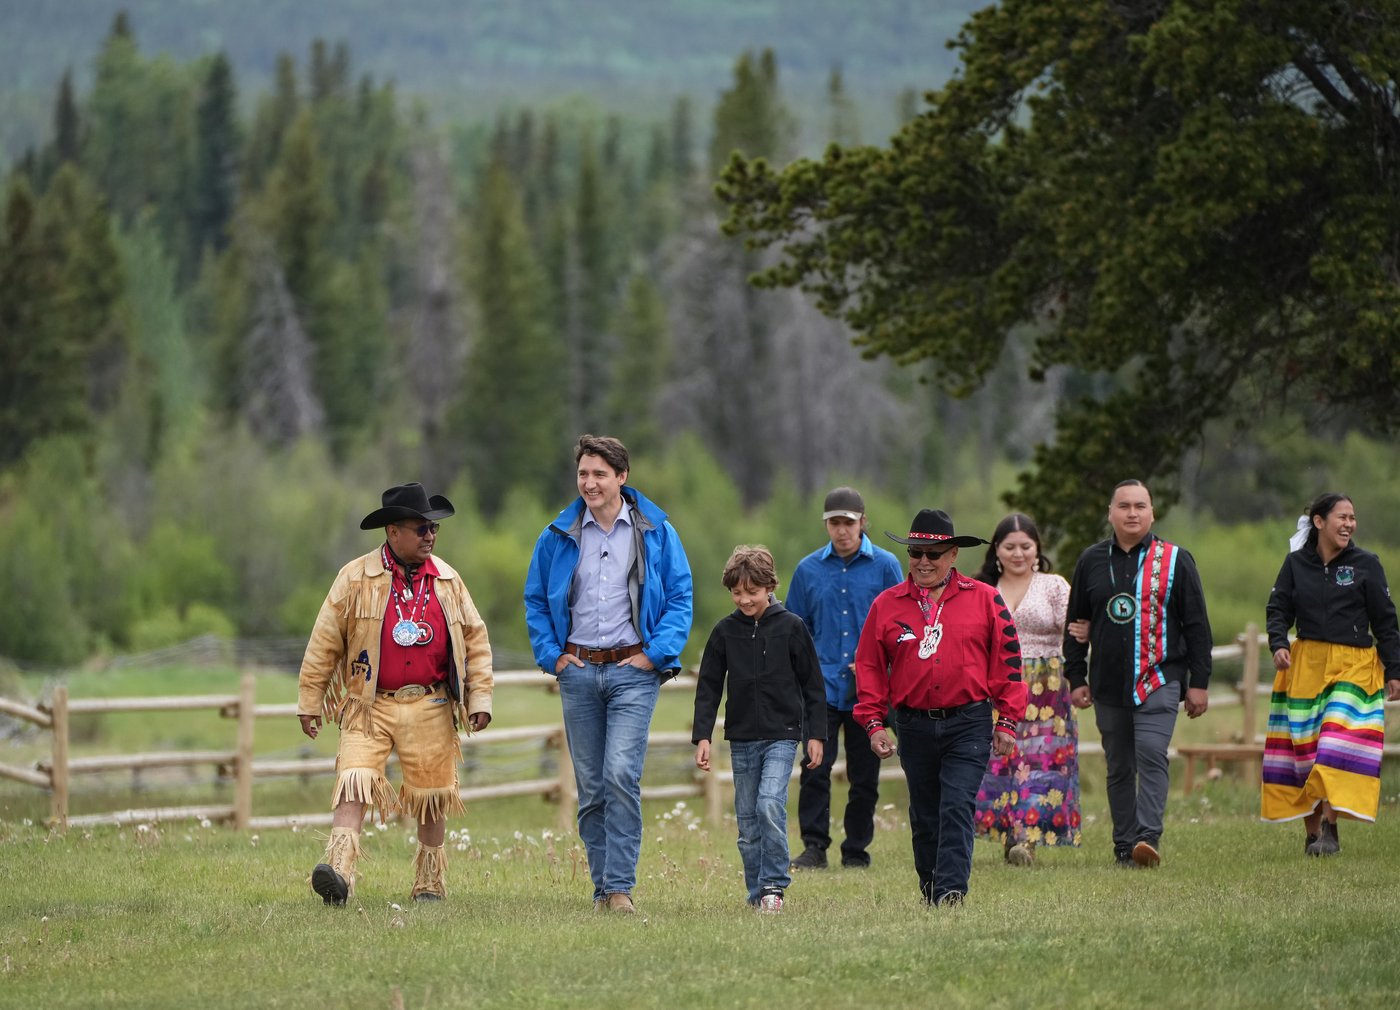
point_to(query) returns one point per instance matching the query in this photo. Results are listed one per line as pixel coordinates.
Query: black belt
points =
(938, 713)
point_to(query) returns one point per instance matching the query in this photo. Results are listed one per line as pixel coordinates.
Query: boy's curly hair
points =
(751, 563)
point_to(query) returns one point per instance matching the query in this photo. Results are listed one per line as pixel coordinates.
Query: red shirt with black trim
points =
(427, 662)
(978, 655)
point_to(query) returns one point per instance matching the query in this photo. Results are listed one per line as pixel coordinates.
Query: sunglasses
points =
(922, 552)
(423, 530)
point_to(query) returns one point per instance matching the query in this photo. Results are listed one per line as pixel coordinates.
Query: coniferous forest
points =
(234, 308)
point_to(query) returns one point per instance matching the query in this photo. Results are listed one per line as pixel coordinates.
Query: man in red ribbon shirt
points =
(940, 648)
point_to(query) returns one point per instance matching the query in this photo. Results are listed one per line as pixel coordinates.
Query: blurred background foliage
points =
(242, 293)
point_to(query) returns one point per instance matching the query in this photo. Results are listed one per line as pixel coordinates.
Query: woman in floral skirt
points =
(1031, 797)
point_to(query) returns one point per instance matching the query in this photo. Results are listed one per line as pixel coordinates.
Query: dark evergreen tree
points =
(511, 413)
(67, 130)
(217, 143)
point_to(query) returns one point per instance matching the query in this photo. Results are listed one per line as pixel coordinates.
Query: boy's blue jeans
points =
(607, 713)
(762, 769)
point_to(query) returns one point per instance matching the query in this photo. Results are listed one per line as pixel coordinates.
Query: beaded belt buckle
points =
(410, 691)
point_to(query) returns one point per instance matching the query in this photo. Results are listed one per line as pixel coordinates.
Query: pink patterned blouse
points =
(1040, 617)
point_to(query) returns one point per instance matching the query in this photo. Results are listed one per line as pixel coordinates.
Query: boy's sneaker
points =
(812, 858)
(771, 902)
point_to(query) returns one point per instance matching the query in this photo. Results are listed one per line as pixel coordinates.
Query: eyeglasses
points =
(920, 552)
(423, 530)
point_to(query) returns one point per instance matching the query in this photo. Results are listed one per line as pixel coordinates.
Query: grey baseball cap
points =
(843, 503)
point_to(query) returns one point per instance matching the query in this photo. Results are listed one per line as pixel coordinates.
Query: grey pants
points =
(1135, 743)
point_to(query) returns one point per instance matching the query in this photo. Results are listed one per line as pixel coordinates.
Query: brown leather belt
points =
(602, 655)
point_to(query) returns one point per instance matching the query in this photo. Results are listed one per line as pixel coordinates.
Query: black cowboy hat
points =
(933, 528)
(407, 501)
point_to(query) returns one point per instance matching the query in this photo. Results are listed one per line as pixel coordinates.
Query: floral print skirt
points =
(1033, 794)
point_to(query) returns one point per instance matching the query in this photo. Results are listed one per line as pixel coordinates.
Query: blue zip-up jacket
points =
(659, 585)
(832, 595)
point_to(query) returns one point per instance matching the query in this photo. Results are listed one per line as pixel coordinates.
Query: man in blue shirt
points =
(831, 591)
(608, 608)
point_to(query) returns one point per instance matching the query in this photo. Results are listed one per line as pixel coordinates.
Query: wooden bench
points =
(1213, 754)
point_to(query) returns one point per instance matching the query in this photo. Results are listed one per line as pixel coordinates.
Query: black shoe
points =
(812, 858)
(1310, 846)
(330, 885)
(953, 899)
(861, 862)
(1123, 859)
(1327, 843)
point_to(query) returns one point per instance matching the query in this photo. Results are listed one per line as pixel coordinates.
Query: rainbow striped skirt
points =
(1326, 731)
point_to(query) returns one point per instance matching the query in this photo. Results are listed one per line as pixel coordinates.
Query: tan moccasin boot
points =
(429, 872)
(334, 877)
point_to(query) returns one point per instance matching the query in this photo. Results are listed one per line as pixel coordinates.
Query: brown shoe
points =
(1145, 854)
(620, 901)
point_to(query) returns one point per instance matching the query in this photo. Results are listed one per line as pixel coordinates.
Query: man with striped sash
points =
(1137, 608)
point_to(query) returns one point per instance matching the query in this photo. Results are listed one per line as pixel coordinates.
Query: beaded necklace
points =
(410, 630)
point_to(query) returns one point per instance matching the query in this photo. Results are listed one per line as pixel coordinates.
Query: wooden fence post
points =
(714, 797)
(1249, 702)
(243, 761)
(1249, 681)
(58, 816)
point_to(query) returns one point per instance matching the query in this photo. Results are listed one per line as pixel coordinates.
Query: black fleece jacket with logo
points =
(775, 683)
(1345, 602)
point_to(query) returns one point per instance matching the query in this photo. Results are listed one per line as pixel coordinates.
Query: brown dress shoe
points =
(1145, 854)
(620, 901)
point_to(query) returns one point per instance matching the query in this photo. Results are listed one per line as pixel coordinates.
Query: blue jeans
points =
(761, 772)
(607, 714)
(944, 760)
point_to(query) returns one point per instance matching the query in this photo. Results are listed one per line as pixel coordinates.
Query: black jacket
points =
(1344, 603)
(1102, 572)
(774, 677)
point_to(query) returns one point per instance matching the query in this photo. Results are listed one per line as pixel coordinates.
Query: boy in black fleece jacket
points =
(774, 679)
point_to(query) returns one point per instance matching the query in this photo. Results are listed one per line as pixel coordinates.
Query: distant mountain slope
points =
(636, 53)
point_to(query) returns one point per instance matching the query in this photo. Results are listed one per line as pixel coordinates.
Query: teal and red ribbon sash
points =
(1155, 580)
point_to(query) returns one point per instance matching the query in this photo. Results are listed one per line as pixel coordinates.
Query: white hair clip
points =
(1296, 542)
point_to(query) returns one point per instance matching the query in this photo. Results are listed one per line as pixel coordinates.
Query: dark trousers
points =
(1135, 744)
(944, 760)
(814, 791)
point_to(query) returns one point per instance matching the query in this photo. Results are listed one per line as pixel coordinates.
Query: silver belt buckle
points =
(410, 691)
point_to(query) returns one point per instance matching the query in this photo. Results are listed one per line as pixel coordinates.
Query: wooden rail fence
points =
(240, 762)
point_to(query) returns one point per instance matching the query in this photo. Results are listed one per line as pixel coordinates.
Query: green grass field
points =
(180, 915)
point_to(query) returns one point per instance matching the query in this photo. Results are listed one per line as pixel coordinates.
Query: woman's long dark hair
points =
(1322, 506)
(1015, 522)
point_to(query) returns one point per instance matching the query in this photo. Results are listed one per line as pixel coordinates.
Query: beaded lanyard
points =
(409, 630)
(933, 630)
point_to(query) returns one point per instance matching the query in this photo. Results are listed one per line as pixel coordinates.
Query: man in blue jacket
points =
(831, 591)
(608, 607)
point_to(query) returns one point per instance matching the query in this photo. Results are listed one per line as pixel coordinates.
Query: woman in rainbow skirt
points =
(1322, 756)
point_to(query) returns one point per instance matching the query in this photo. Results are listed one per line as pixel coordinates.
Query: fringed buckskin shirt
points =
(340, 670)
